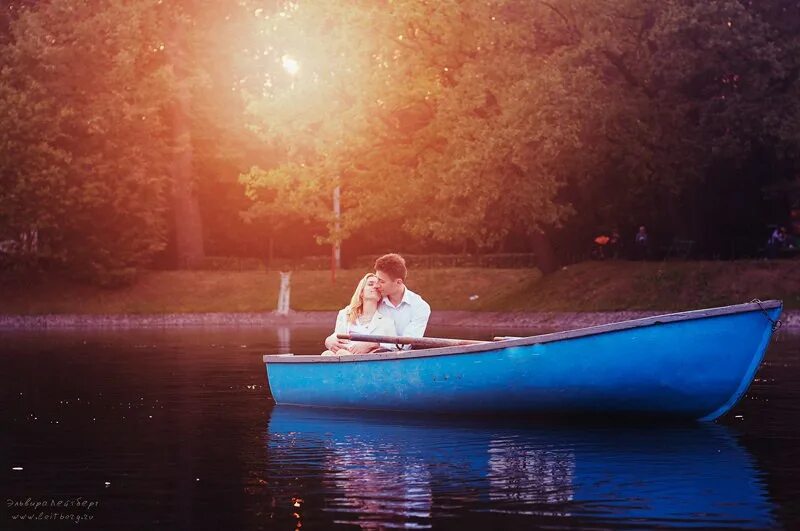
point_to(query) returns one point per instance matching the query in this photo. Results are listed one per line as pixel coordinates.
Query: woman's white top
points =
(379, 325)
(357, 328)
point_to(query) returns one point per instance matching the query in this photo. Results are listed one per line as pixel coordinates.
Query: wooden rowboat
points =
(694, 364)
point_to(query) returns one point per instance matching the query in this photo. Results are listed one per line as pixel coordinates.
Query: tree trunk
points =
(188, 224)
(271, 249)
(186, 207)
(545, 258)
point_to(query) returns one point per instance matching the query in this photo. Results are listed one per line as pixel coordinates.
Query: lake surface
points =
(174, 429)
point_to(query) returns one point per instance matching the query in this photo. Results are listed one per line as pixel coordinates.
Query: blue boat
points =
(693, 365)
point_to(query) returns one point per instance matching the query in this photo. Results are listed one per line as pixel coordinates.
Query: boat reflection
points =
(532, 474)
(379, 480)
(383, 470)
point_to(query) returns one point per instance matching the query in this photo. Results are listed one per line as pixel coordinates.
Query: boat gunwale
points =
(530, 340)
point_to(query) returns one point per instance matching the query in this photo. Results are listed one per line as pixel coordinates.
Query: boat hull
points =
(693, 367)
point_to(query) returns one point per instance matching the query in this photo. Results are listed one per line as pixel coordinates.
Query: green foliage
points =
(463, 123)
(691, 101)
(82, 88)
(425, 114)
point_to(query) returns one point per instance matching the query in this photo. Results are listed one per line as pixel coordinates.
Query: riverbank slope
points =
(610, 286)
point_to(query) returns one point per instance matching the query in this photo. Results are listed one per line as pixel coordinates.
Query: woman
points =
(361, 316)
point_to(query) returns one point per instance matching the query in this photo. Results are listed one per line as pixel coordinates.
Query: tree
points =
(468, 121)
(435, 109)
(118, 114)
(212, 58)
(463, 124)
(81, 96)
(700, 98)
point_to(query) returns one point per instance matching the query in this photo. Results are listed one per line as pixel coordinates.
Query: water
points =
(174, 430)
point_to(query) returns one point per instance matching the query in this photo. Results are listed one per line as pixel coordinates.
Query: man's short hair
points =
(393, 265)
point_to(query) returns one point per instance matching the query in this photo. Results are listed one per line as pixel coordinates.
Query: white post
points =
(283, 294)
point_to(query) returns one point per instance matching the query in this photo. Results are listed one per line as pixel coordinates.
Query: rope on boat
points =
(775, 324)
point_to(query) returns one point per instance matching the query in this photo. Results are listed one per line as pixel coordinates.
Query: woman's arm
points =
(333, 343)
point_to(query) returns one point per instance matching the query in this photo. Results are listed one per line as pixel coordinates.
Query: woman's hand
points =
(334, 344)
(361, 347)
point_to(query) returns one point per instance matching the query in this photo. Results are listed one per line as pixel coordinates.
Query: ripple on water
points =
(144, 415)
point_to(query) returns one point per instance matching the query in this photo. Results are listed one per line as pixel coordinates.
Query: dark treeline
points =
(147, 133)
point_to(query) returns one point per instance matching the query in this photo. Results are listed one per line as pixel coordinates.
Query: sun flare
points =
(290, 65)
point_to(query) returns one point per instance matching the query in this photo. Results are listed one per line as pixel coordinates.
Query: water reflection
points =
(180, 423)
(531, 474)
(360, 468)
(284, 340)
(386, 471)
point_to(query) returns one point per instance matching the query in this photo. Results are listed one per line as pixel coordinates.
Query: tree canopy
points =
(81, 95)
(467, 121)
(462, 124)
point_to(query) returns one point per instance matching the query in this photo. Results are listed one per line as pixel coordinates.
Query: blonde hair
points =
(356, 307)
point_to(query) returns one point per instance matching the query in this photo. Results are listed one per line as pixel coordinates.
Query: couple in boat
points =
(382, 305)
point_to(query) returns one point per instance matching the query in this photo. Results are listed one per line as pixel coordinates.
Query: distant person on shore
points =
(406, 309)
(779, 237)
(615, 245)
(778, 241)
(794, 225)
(606, 246)
(361, 316)
(642, 243)
(598, 250)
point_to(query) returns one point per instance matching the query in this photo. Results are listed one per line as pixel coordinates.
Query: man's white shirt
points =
(410, 316)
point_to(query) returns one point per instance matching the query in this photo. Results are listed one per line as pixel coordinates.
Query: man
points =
(408, 310)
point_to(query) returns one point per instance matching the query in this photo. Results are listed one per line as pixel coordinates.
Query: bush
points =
(440, 261)
(307, 263)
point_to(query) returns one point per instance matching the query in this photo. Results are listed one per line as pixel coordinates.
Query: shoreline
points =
(455, 318)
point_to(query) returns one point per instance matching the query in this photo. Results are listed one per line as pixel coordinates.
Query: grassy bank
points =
(588, 286)
(607, 286)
